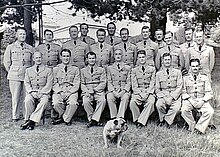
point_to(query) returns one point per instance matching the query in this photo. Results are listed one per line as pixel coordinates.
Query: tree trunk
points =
(27, 22)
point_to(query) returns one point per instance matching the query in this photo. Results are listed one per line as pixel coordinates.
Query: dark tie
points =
(188, 45)
(125, 46)
(22, 44)
(200, 48)
(84, 40)
(145, 43)
(74, 42)
(168, 72)
(48, 46)
(65, 69)
(101, 46)
(111, 40)
(91, 70)
(118, 66)
(37, 68)
(195, 77)
(143, 69)
(169, 48)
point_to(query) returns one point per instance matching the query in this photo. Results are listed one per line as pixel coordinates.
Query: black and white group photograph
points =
(109, 78)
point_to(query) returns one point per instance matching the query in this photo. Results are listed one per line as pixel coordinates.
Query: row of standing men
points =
(18, 57)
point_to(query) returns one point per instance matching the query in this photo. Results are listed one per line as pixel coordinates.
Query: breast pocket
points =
(173, 81)
(15, 55)
(163, 82)
(201, 87)
(42, 80)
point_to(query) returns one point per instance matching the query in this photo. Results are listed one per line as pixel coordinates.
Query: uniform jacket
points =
(169, 85)
(116, 40)
(185, 46)
(89, 40)
(17, 59)
(93, 81)
(206, 56)
(161, 44)
(50, 53)
(119, 79)
(78, 52)
(177, 57)
(40, 81)
(130, 54)
(143, 82)
(151, 49)
(104, 55)
(66, 81)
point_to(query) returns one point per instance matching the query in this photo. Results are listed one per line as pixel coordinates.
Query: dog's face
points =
(120, 125)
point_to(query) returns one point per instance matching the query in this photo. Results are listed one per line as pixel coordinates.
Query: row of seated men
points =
(18, 57)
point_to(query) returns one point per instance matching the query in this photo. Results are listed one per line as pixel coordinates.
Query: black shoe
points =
(57, 121)
(68, 123)
(198, 132)
(167, 124)
(25, 125)
(139, 125)
(99, 124)
(212, 127)
(15, 120)
(91, 123)
(31, 125)
(159, 123)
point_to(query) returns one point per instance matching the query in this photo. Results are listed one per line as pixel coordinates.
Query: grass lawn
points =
(78, 141)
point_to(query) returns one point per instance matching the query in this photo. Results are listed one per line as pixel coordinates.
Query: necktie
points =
(65, 69)
(188, 45)
(143, 69)
(145, 43)
(74, 42)
(125, 46)
(200, 48)
(118, 66)
(195, 77)
(22, 44)
(84, 40)
(168, 72)
(48, 46)
(169, 48)
(91, 70)
(37, 69)
(111, 40)
(101, 46)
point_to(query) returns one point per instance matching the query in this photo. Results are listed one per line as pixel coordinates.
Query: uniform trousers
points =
(65, 108)
(17, 90)
(136, 101)
(94, 114)
(34, 111)
(204, 120)
(124, 100)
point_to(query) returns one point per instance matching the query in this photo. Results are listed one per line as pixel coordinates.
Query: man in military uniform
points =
(175, 52)
(104, 51)
(111, 38)
(168, 91)
(38, 83)
(143, 82)
(203, 52)
(17, 57)
(129, 49)
(197, 93)
(50, 51)
(65, 87)
(159, 38)
(119, 84)
(84, 29)
(93, 84)
(150, 47)
(77, 47)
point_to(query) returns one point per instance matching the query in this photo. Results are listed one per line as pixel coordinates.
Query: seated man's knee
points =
(28, 98)
(110, 96)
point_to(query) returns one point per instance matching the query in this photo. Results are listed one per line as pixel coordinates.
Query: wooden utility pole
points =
(27, 22)
(40, 18)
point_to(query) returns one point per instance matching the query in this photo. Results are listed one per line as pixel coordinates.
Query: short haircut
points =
(100, 30)
(157, 30)
(73, 26)
(194, 60)
(91, 54)
(169, 32)
(85, 24)
(65, 50)
(143, 52)
(111, 23)
(166, 54)
(145, 27)
(48, 30)
(189, 28)
(124, 29)
(20, 28)
(38, 52)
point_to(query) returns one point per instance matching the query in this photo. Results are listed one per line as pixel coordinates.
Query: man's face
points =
(73, 33)
(111, 29)
(145, 33)
(195, 67)
(21, 35)
(159, 35)
(48, 36)
(65, 57)
(199, 38)
(101, 36)
(142, 58)
(118, 55)
(189, 35)
(37, 58)
(124, 35)
(168, 38)
(84, 30)
(167, 61)
(91, 60)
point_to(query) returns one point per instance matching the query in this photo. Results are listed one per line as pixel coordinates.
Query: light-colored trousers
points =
(124, 100)
(34, 111)
(68, 109)
(173, 109)
(143, 116)
(204, 120)
(100, 100)
(17, 90)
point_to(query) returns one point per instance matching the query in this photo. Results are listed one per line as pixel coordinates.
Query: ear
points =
(116, 122)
